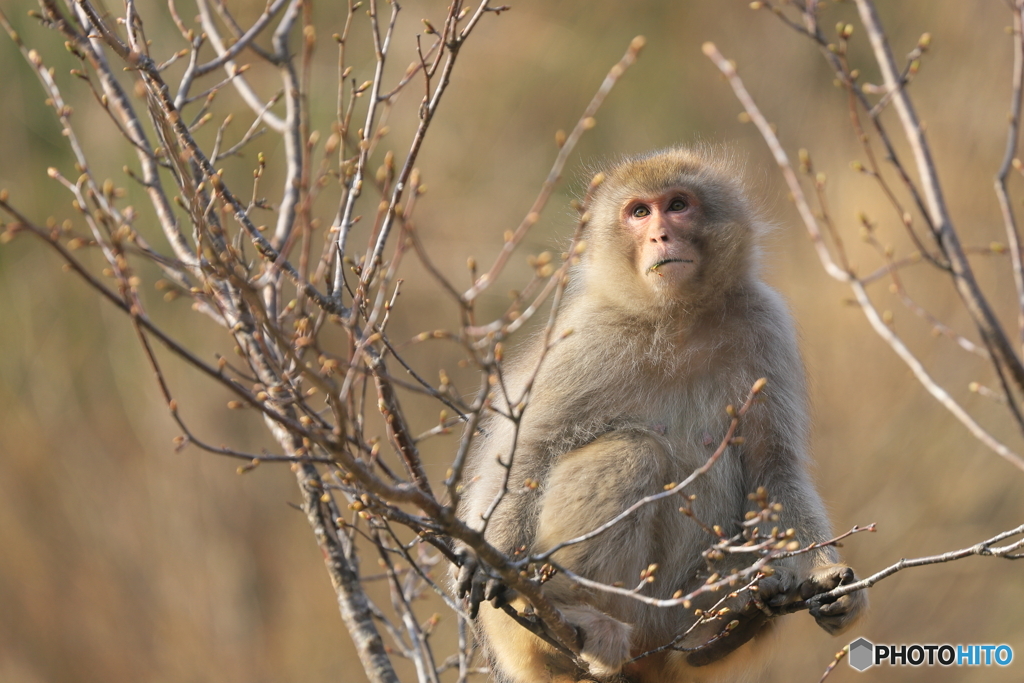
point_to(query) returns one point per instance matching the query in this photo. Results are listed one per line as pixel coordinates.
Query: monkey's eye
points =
(678, 204)
(641, 211)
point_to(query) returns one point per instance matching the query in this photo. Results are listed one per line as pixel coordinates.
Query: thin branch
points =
(1010, 551)
(427, 111)
(840, 656)
(585, 122)
(344, 221)
(248, 95)
(781, 158)
(1012, 136)
(292, 134)
(811, 224)
(242, 41)
(150, 327)
(933, 388)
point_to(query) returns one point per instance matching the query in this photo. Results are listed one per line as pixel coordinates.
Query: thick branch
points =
(352, 601)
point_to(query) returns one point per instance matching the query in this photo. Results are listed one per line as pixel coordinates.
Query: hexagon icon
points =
(862, 654)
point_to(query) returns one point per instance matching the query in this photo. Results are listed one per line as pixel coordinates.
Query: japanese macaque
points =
(671, 324)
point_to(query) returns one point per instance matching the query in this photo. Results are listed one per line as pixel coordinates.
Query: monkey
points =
(670, 323)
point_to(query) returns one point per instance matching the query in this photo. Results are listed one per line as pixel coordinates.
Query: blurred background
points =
(124, 560)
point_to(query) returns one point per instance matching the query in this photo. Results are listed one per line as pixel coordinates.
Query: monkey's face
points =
(668, 230)
(661, 226)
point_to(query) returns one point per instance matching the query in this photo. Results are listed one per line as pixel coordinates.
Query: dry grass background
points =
(123, 560)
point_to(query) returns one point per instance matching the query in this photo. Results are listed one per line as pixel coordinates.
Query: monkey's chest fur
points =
(595, 444)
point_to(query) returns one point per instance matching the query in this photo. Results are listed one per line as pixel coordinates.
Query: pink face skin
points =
(662, 226)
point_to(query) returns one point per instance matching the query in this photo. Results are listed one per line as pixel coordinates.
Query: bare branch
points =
(967, 286)
(1010, 551)
(1012, 136)
(585, 123)
(811, 224)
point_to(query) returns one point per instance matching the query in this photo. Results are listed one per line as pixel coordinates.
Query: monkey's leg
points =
(515, 654)
(586, 488)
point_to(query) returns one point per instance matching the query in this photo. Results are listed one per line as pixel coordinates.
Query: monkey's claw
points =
(497, 593)
(773, 592)
(467, 569)
(476, 586)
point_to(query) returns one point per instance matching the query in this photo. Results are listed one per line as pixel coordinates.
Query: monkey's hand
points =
(474, 584)
(833, 615)
(776, 591)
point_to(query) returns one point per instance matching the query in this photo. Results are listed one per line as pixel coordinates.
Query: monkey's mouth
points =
(659, 264)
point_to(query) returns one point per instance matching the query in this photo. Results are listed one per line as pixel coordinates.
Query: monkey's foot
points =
(751, 623)
(751, 616)
(605, 640)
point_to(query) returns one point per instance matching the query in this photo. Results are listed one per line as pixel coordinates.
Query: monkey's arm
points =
(779, 465)
(781, 471)
(477, 582)
(505, 512)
